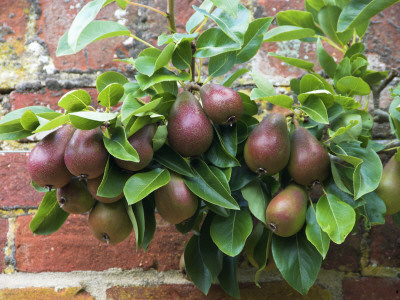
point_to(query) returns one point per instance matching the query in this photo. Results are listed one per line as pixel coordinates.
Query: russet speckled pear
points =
(389, 186)
(142, 142)
(75, 197)
(46, 165)
(110, 222)
(174, 201)
(309, 161)
(189, 130)
(85, 154)
(221, 104)
(286, 213)
(267, 148)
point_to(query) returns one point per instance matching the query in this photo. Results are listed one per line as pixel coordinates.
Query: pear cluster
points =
(269, 150)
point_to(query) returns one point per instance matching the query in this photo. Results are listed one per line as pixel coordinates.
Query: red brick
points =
(16, 190)
(249, 291)
(385, 244)
(45, 97)
(3, 242)
(14, 14)
(74, 248)
(344, 257)
(371, 288)
(45, 293)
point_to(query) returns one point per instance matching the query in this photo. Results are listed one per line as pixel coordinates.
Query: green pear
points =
(267, 148)
(389, 186)
(286, 213)
(189, 130)
(75, 198)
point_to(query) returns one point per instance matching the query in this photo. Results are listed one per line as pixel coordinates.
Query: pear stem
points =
(295, 122)
(269, 243)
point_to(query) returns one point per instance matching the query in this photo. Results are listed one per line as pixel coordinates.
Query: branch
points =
(171, 16)
(376, 91)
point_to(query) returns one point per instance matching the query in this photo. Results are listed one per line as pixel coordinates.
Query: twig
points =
(171, 16)
(376, 91)
(148, 7)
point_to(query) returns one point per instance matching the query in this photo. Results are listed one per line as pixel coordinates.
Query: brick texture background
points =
(366, 266)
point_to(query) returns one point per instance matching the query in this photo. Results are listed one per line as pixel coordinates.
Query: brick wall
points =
(71, 263)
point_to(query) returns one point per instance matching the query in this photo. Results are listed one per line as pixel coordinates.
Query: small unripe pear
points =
(389, 186)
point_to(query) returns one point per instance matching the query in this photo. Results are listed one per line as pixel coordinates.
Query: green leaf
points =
(253, 39)
(229, 80)
(368, 166)
(160, 76)
(315, 235)
(310, 83)
(113, 181)
(182, 56)
(208, 187)
(324, 95)
(87, 120)
(160, 137)
(195, 266)
(240, 177)
(343, 70)
(295, 62)
(347, 103)
(335, 217)
(221, 63)
(315, 109)
(49, 217)
(297, 18)
(228, 277)
(354, 49)
(393, 113)
(29, 120)
(196, 19)
(133, 109)
(61, 120)
(218, 154)
(374, 210)
(152, 59)
(214, 41)
(281, 100)
(347, 126)
(351, 86)
(142, 184)
(328, 18)
(230, 233)
(396, 219)
(325, 60)
(95, 31)
(136, 215)
(359, 11)
(150, 222)
(119, 147)
(176, 38)
(75, 100)
(230, 6)
(297, 260)
(109, 77)
(258, 199)
(173, 160)
(111, 95)
(287, 33)
(374, 78)
(250, 107)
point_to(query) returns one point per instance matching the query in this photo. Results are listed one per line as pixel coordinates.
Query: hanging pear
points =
(75, 198)
(389, 186)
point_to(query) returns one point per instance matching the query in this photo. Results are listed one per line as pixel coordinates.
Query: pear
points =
(93, 186)
(46, 165)
(286, 213)
(221, 104)
(110, 222)
(75, 198)
(85, 155)
(267, 148)
(142, 141)
(309, 161)
(189, 130)
(174, 201)
(389, 186)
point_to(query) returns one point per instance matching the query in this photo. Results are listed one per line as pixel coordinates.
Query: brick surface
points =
(14, 18)
(45, 293)
(371, 288)
(249, 291)
(344, 257)
(385, 244)
(16, 190)
(74, 248)
(3, 241)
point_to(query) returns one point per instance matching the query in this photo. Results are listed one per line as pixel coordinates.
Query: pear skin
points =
(286, 213)
(75, 198)
(189, 130)
(85, 155)
(174, 201)
(309, 161)
(46, 165)
(267, 148)
(142, 141)
(389, 186)
(221, 104)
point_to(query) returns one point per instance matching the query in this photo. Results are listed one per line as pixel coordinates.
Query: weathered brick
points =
(371, 288)
(3, 241)
(74, 248)
(15, 182)
(45, 293)
(385, 244)
(346, 256)
(248, 291)
(14, 18)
